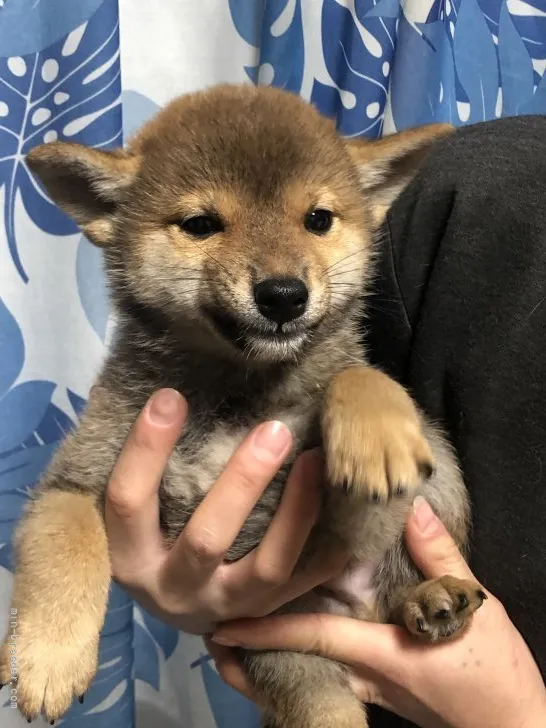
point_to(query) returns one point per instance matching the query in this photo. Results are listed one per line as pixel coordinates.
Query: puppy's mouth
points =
(245, 335)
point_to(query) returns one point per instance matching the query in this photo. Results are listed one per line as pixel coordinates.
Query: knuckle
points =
(123, 576)
(226, 609)
(202, 546)
(244, 476)
(171, 605)
(168, 599)
(126, 572)
(125, 505)
(442, 551)
(271, 573)
(450, 558)
(318, 642)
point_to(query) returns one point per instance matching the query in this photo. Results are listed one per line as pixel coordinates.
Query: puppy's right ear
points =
(88, 184)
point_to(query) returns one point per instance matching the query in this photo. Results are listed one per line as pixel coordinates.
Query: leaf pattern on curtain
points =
(86, 71)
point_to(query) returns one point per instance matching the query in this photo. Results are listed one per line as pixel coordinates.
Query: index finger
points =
(343, 639)
(131, 506)
(216, 522)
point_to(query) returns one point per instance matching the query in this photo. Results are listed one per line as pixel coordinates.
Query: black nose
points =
(281, 299)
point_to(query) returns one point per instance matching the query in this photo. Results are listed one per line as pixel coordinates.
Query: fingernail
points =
(425, 518)
(226, 641)
(165, 406)
(272, 439)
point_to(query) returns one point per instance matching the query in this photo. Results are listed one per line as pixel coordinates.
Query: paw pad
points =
(441, 608)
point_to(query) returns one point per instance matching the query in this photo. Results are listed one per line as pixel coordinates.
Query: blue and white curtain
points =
(92, 71)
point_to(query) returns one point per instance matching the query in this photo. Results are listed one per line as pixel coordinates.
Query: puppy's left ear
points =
(387, 165)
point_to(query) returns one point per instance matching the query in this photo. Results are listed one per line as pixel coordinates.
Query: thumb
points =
(431, 547)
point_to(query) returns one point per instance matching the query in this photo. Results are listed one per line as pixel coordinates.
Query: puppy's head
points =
(239, 211)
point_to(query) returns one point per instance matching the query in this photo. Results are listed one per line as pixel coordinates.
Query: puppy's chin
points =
(255, 344)
(274, 349)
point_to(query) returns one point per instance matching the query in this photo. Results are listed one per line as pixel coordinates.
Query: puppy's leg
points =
(304, 691)
(434, 610)
(373, 436)
(438, 609)
(60, 598)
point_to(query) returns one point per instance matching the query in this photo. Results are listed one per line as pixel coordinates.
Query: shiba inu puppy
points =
(237, 230)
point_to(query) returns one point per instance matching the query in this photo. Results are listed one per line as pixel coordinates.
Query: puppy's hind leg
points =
(441, 608)
(59, 602)
(304, 691)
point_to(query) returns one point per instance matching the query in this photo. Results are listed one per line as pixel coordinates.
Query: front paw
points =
(373, 437)
(48, 669)
(376, 454)
(440, 609)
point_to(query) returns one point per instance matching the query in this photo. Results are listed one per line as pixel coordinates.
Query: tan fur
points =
(321, 708)
(61, 590)
(380, 448)
(399, 156)
(257, 161)
(427, 609)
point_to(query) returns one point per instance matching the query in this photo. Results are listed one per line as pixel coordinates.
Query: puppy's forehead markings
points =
(303, 197)
(233, 206)
(208, 200)
(325, 198)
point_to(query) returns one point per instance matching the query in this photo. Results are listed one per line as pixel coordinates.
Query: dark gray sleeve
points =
(459, 316)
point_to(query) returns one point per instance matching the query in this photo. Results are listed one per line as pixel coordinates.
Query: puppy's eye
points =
(201, 226)
(318, 221)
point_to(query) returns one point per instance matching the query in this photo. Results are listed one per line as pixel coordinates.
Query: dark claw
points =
(442, 614)
(51, 722)
(2, 685)
(400, 491)
(80, 699)
(421, 626)
(463, 602)
(426, 470)
(345, 485)
(376, 498)
(482, 595)
(29, 720)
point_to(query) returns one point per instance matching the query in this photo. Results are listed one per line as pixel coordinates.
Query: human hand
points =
(485, 678)
(188, 585)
